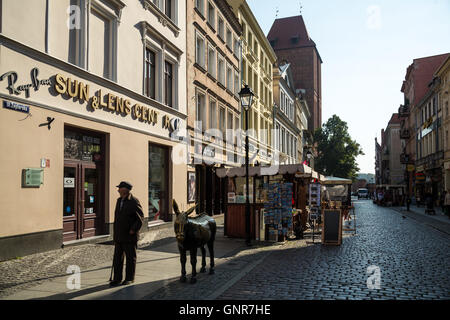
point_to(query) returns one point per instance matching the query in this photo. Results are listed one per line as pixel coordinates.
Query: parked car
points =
(363, 193)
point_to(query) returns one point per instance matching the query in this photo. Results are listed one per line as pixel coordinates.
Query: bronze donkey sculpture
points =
(194, 233)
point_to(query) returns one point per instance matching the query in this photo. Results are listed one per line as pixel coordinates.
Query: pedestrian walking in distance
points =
(128, 221)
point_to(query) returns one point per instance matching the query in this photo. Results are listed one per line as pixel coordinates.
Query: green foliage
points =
(337, 152)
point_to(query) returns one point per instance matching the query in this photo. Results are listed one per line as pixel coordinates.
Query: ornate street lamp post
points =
(246, 96)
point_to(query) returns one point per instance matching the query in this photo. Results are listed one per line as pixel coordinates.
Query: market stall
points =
(338, 197)
(278, 200)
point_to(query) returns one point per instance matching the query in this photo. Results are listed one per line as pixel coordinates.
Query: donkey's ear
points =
(191, 210)
(175, 208)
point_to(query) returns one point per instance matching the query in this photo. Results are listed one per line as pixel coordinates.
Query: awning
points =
(268, 171)
(336, 180)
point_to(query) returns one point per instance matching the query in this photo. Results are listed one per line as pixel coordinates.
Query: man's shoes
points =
(114, 283)
(127, 282)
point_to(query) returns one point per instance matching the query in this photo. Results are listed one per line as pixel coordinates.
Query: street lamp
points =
(246, 96)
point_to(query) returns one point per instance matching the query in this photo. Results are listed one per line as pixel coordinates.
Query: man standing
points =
(127, 223)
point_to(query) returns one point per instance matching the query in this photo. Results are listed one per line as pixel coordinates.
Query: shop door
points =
(82, 213)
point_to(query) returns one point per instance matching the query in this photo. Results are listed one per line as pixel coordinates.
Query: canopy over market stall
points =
(338, 189)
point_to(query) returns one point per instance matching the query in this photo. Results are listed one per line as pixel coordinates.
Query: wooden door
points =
(82, 201)
(90, 200)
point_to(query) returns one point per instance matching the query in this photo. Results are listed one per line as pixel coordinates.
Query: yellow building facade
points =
(258, 58)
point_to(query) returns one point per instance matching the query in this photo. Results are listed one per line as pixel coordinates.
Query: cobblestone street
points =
(413, 259)
(412, 255)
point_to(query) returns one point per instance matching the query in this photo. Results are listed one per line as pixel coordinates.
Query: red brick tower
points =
(291, 42)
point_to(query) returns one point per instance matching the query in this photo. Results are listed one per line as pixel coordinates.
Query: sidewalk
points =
(439, 221)
(157, 273)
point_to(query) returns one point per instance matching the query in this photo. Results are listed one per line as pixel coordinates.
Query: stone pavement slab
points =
(157, 268)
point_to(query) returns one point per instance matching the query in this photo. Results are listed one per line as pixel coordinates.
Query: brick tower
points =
(291, 42)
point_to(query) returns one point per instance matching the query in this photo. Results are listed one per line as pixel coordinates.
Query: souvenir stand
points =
(277, 201)
(338, 197)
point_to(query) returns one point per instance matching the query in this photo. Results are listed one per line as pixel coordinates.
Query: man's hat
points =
(125, 184)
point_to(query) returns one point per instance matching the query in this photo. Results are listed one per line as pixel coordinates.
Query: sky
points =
(366, 47)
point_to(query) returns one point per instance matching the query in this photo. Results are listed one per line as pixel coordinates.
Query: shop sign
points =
(67, 87)
(426, 132)
(69, 182)
(420, 177)
(12, 78)
(16, 107)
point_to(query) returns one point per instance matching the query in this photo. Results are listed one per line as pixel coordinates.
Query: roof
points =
(288, 33)
(395, 119)
(421, 72)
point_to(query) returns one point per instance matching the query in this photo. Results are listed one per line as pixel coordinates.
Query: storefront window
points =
(81, 147)
(158, 183)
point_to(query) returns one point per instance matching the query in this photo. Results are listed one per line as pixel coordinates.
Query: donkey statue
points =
(194, 233)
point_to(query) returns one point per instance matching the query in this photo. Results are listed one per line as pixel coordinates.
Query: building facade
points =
(213, 85)
(392, 172)
(92, 93)
(417, 122)
(378, 161)
(443, 74)
(304, 139)
(258, 58)
(291, 42)
(284, 115)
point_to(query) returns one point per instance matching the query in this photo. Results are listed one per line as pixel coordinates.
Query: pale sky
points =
(366, 47)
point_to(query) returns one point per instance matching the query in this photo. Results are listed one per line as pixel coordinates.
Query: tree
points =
(337, 152)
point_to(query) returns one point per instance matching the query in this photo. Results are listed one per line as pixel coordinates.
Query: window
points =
(200, 5)
(236, 127)
(161, 71)
(212, 114)
(277, 137)
(221, 28)
(102, 44)
(168, 84)
(200, 51)
(221, 70)
(255, 124)
(236, 83)
(168, 9)
(150, 74)
(77, 42)
(212, 64)
(158, 185)
(230, 128)
(229, 78)
(222, 121)
(211, 14)
(244, 72)
(236, 47)
(229, 39)
(201, 112)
